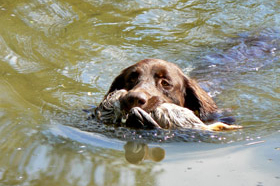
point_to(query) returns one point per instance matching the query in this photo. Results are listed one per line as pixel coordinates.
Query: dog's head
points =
(151, 82)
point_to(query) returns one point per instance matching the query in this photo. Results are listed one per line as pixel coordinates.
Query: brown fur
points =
(152, 82)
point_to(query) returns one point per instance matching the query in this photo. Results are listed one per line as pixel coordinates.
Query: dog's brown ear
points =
(117, 84)
(120, 81)
(197, 100)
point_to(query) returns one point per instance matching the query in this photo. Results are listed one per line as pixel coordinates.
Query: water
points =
(60, 56)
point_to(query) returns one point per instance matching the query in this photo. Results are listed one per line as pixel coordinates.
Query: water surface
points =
(60, 56)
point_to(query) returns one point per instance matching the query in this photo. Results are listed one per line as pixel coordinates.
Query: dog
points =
(154, 93)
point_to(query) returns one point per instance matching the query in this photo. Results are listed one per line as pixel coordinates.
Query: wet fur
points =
(145, 78)
(154, 93)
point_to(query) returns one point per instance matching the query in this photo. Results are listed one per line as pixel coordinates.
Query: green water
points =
(60, 56)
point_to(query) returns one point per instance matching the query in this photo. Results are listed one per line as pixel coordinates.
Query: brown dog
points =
(156, 93)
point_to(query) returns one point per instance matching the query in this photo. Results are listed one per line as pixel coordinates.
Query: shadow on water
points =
(243, 74)
(245, 53)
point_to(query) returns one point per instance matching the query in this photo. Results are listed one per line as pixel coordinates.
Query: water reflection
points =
(136, 153)
(62, 159)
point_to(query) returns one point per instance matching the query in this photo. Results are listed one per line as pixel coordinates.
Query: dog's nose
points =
(133, 99)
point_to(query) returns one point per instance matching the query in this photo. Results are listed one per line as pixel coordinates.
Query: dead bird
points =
(165, 116)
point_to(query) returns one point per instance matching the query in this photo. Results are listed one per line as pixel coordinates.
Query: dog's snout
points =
(134, 99)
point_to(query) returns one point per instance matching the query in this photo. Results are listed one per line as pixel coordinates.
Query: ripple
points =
(19, 63)
(48, 16)
(58, 29)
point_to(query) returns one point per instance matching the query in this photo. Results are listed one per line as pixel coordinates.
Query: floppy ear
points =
(117, 84)
(197, 100)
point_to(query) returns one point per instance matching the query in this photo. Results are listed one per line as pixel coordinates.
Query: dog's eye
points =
(165, 84)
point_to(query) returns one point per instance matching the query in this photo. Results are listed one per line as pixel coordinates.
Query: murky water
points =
(60, 56)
